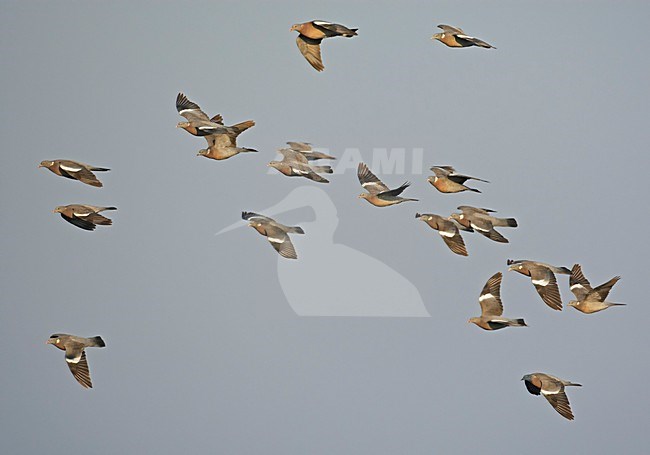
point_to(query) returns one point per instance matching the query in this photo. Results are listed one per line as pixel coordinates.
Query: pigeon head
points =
(54, 339)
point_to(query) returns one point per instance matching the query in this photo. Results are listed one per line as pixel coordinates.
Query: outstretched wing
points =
(460, 178)
(449, 233)
(252, 216)
(442, 171)
(80, 172)
(560, 403)
(490, 298)
(299, 146)
(450, 29)
(80, 223)
(603, 290)
(369, 181)
(546, 285)
(310, 49)
(334, 29)
(191, 111)
(78, 365)
(279, 239)
(578, 283)
(474, 41)
(289, 156)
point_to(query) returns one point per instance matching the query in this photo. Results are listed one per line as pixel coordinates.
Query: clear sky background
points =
(204, 354)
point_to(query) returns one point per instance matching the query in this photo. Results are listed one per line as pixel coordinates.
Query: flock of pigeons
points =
(297, 161)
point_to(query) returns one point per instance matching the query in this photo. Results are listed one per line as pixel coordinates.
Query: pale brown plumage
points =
(481, 221)
(492, 308)
(309, 153)
(75, 355)
(86, 217)
(295, 164)
(224, 146)
(378, 194)
(75, 170)
(198, 123)
(277, 234)
(543, 277)
(447, 230)
(456, 37)
(447, 180)
(552, 388)
(590, 300)
(310, 35)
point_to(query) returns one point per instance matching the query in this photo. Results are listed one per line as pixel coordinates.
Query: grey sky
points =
(204, 354)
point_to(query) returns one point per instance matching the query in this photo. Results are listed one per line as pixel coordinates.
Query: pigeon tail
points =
(98, 342)
(323, 169)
